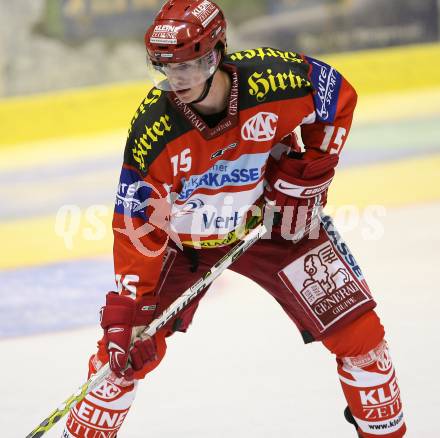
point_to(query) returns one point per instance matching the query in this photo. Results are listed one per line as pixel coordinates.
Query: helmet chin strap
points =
(208, 85)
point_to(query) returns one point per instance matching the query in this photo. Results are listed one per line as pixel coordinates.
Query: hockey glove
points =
(122, 318)
(297, 186)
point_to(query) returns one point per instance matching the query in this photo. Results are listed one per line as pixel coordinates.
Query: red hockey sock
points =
(102, 412)
(368, 378)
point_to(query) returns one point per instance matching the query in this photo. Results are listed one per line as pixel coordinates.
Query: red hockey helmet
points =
(185, 33)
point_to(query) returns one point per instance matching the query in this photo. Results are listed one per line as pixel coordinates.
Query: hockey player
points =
(210, 142)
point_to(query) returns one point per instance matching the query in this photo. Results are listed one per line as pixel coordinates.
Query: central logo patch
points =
(261, 127)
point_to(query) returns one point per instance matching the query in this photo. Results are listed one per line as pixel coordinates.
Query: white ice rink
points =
(242, 370)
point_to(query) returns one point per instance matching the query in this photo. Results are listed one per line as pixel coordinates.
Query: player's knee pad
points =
(356, 338)
(102, 412)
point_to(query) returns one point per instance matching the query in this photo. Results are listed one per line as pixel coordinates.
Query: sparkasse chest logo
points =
(261, 127)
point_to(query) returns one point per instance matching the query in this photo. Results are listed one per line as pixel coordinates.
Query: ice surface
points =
(242, 370)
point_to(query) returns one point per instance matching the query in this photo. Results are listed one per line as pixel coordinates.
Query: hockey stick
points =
(155, 325)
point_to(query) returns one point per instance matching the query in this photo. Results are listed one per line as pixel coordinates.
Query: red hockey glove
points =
(298, 185)
(119, 317)
(142, 352)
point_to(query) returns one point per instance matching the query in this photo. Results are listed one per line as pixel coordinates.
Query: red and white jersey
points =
(211, 177)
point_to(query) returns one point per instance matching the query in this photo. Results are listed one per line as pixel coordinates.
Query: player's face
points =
(186, 75)
(191, 94)
(184, 78)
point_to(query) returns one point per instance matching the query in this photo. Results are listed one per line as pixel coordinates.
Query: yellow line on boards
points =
(391, 69)
(69, 113)
(94, 110)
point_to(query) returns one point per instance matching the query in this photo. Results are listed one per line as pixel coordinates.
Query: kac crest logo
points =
(261, 127)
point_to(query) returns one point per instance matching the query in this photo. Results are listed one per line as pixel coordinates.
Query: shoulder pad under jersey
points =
(269, 75)
(153, 126)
